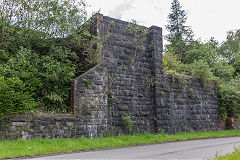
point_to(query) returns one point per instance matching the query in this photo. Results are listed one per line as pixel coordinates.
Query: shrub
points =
(14, 97)
(201, 51)
(172, 65)
(223, 70)
(229, 99)
(46, 78)
(201, 70)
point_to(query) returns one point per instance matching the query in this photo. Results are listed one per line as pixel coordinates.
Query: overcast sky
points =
(208, 18)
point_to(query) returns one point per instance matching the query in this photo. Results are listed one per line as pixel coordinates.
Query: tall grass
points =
(38, 146)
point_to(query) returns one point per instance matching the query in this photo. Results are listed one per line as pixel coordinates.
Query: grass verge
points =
(38, 146)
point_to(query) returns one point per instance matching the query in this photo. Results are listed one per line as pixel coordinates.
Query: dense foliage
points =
(41, 51)
(206, 60)
(14, 97)
(47, 78)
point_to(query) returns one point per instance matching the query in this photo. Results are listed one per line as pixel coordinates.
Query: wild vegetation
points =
(42, 48)
(206, 60)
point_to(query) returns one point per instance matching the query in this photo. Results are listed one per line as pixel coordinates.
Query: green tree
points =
(201, 70)
(179, 35)
(223, 71)
(198, 50)
(230, 50)
(57, 18)
(38, 24)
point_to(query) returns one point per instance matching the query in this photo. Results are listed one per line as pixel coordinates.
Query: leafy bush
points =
(3, 56)
(201, 70)
(223, 70)
(14, 97)
(229, 99)
(196, 51)
(236, 65)
(171, 64)
(47, 78)
(56, 71)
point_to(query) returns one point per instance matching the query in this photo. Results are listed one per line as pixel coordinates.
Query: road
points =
(194, 149)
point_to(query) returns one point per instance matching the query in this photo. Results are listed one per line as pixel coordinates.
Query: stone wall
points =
(41, 125)
(187, 104)
(131, 75)
(136, 85)
(90, 97)
(129, 81)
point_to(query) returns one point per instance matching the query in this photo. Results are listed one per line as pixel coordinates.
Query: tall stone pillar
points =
(156, 43)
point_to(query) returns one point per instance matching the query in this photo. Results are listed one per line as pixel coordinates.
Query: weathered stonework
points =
(129, 81)
(187, 105)
(91, 101)
(43, 125)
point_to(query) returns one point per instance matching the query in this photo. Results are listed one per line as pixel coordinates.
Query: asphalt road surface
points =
(194, 149)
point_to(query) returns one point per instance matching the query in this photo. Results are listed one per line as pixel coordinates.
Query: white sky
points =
(208, 18)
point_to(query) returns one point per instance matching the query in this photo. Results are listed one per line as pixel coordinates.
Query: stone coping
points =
(39, 115)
